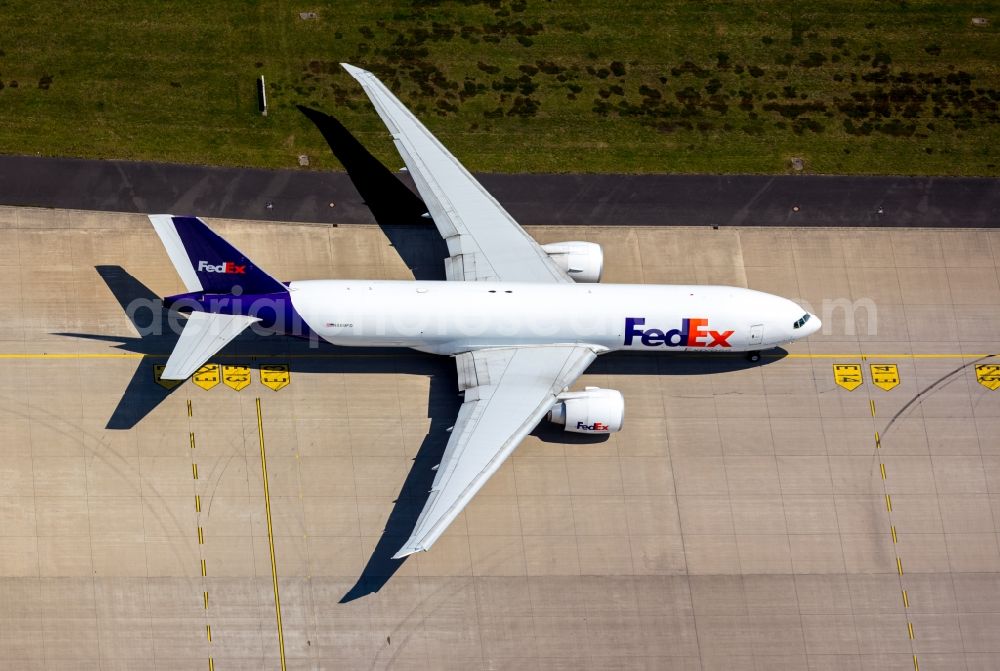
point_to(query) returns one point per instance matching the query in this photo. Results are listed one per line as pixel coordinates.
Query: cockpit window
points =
(800, 321)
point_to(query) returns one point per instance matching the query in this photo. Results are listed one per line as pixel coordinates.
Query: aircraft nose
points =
(814, 324)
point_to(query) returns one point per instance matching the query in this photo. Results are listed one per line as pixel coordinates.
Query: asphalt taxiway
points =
(539, 200)
(835, 508)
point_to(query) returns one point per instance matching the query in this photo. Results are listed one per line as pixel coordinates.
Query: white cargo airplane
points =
(522, 320)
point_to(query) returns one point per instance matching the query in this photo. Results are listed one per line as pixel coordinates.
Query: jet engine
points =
(593, 410)
(583, 261)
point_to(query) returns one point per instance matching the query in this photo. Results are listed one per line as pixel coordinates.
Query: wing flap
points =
(507, 392)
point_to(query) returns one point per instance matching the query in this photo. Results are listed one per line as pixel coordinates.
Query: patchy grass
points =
(895, 87)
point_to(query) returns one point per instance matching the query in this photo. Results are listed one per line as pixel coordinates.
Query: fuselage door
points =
(756, 335)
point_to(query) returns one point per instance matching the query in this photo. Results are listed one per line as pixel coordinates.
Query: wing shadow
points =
(397, 210)
(443, 403)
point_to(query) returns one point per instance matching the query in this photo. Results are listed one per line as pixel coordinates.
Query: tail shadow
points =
(397, 210)
(156, 339)
(442, 408)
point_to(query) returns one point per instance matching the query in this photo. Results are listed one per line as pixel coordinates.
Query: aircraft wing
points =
(484, 241)
(507, 392)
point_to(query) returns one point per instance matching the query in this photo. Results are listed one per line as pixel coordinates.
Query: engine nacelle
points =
(583, 261)
(593, 410)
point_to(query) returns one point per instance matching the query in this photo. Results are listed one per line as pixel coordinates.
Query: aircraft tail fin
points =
(204, 334)
(206, 262)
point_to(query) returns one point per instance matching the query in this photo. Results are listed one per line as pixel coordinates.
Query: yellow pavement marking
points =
(882, 467)
(878, 441)
(871, 402)
(204, 568)
(211, 664)
(201, 536)
(892, 528)
(208, 631)
(906, 599)
(270, 536)
(885, 376)
(909, 627)
(205, 594)
(988, 375)
(275, 376)
(236, 377)
(888, 503)
(197, 503)
(916, 667)
(194, 471)
(847, 375)
(899, 566)
(191, 439)
(207, 376)
(157, 376)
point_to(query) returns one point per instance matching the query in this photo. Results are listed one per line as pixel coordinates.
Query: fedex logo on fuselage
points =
(227, 268)
(692, 333)
(596, 426)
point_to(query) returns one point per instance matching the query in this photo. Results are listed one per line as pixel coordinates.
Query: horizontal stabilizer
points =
(204, 334)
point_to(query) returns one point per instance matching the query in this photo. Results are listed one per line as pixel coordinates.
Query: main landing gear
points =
(753, 357)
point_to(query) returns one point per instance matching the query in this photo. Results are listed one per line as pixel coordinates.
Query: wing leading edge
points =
(484, 241)
(507, 392)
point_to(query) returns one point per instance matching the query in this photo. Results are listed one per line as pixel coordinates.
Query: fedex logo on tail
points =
(692, 333)
(227, 268)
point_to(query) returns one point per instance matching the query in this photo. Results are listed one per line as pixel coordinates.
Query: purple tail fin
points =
(206, 262)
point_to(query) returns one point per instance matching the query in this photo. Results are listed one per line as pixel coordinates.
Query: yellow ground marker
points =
(988, 375)
(892, 530)
(270, 536)
(906, 599)
(194, 471)
(275, 376)
(882, 468)
(205, 595)
(885, 376)
(201, 536)
(208, 632)
(236, 377)
(158, 377)
(204, 568)
(207, 376)
(191, 438)
(197, 503)
(847, 375)
(888, 503)
(899, 566)
(909, 628)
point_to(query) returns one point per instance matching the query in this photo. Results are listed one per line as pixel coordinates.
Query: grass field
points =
(878, 87)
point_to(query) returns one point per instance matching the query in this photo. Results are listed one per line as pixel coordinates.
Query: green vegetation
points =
(887, 87)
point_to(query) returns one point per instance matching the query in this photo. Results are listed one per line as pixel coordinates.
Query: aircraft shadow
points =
(397, 210)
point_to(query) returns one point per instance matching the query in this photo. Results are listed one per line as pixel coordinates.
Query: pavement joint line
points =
(270, 536)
